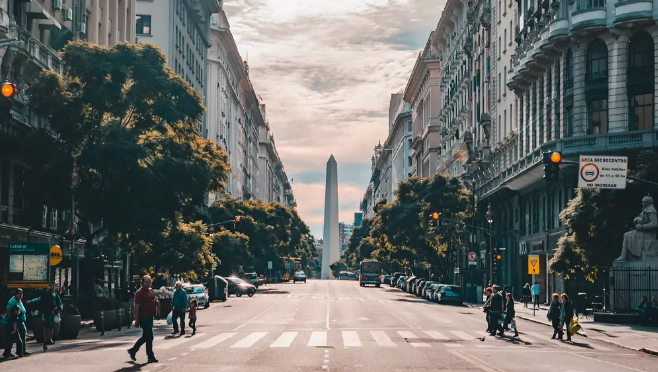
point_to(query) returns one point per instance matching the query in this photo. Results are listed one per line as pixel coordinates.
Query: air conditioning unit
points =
(68, 14)
(83, 28)
(57, 4)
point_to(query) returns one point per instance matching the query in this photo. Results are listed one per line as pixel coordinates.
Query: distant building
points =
(345, 233)
(358, 217)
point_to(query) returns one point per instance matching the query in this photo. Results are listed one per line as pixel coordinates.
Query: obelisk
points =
(330, 249)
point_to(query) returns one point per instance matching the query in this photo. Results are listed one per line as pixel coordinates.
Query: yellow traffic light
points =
(556, 157)
(498, 257)
(238, 218)
(378, 244)
(435, 216)
(8, 89)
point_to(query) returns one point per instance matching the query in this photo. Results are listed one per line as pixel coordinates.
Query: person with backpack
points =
(51, 305)
(145, 311)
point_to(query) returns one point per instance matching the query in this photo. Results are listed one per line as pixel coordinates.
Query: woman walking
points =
(526, 294)
(19, 336)
(509, 315)
(566, 314)
(554, 316)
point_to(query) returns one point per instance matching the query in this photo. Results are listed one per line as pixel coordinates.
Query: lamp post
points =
(489, 216)
(74, 249)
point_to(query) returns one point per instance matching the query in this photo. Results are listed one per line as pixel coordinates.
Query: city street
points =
(339, 326)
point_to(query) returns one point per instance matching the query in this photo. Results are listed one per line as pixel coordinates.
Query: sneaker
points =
(174, 333)
(26, 353)
(132, 353)
(152, 360)
(9, 356)
(193, 332)
(51, 342)
(45, 347)
(182, 333)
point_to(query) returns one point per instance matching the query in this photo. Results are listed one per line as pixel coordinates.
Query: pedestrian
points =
(644, 309)
(554, 316)
(14, 323)
(509, 314)
(194, 304)
(145, 310)
(495, 312)
(179, 304)
(526, 294)
(16, 300)
(566, 314)
(487, 306)
(535, 296)
(51, 306)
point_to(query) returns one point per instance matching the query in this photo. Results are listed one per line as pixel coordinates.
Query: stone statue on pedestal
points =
(640, 245)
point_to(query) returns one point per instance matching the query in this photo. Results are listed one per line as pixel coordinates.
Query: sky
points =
(325, 70)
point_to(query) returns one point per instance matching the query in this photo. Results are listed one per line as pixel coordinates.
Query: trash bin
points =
(217, 289)
(164, 301)
(581, 303)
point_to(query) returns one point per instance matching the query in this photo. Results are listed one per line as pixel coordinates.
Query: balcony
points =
(559, 31)
(633, 10)
(591, 14)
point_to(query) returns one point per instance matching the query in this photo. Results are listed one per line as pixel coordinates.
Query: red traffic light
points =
(8, 89)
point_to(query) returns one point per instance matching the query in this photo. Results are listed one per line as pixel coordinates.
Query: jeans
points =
(535, 300)
(17, 338)
(193, 324)
(146, 324)
(557, 328)
(494, 326)
(178, 313)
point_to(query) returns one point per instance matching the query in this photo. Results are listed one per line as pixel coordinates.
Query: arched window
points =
(597, 60)
(640, 81)
(596, 90)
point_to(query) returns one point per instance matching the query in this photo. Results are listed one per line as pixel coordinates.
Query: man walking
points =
(535, 295)
(51, 305)
(145, 310)
(179, 304)
(495, 312)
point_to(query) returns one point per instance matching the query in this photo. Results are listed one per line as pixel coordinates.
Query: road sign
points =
(472, 258)
(533, 265)
(602, 172)
(55, 255)
(269, 265)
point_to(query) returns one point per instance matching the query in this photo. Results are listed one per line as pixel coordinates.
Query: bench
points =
(618, 318)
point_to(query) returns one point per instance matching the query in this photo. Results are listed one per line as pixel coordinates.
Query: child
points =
(16, 321)
(193, 306)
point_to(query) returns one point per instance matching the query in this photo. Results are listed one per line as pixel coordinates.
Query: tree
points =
(596, 220)
(337, 267)
(133, 129)
(232, 249)
(354, 252)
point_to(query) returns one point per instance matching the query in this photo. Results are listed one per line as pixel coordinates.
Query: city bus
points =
(370, 272)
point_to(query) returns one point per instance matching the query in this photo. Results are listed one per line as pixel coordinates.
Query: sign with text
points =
(269, 265)
(472, 258)
(533, 265)
(602, 172)
(55, 255)
(29, 265)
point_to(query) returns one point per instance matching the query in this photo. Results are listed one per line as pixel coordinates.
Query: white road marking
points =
(169, 343)
(250, 340)
(381, 338)
(484, 346)
(285, 339)
(318, 338)
(436, 335)
(351, 339)
(288, 296)
(313, 298)
(360, 299)
(207, 344)
(380, 301)
(419, 344)
(463, 335)
(454, 346)
(407, 334)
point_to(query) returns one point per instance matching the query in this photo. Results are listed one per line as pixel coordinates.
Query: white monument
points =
(330, 251)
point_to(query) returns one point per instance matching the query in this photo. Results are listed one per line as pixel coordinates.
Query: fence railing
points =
(629, 284)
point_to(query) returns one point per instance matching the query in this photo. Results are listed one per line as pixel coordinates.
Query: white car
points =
(199, 292)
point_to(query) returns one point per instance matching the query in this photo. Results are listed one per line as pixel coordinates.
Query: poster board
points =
(29, 265)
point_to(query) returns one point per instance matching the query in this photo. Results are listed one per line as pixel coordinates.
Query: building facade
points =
(345, 231)
(237, 120)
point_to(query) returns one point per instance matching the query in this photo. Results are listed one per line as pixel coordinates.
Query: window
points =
(640, 81)
(598, 116)
(504, 123)
(597, 60)
(409, 161)
(500, 48)
(568, 121)
(143, 24)
(641, 112)
(505, 39)
(568, 70)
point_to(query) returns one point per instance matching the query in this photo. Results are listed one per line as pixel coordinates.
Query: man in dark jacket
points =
(496, 311)
(51, 306)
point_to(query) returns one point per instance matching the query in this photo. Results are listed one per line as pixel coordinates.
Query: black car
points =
(386, 279)
(238, 287)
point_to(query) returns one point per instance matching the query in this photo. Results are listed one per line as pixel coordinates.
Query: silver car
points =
(199, 292)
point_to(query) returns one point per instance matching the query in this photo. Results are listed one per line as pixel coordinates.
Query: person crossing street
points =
(180, 304)
(145, 310)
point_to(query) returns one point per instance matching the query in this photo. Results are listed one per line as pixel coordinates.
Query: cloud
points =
(326, 70)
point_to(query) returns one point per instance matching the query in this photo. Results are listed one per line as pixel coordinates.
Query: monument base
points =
(648, 259)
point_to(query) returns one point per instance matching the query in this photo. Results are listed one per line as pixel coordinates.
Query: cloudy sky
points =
(326, 69)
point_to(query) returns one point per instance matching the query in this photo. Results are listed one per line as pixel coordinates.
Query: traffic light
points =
(238, 218)
(436, 219)
(552, 161)
(8, 91)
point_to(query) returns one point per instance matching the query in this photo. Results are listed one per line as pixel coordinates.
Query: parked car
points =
(300, 276)
(386, 279)
(200, 292)
(395, 277)
(401, 281)
(419, 288)
(431, 290)
(450, 293)
(252, 278)
(435, 297)
(408, 284)
(239, 287)
(426, 286)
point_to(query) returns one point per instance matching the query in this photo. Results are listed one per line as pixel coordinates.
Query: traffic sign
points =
(533, 265)
(55, 255)
(269, 265)
(602, 172)
(472, 258)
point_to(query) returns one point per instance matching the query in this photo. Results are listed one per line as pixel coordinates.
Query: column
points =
(92, 26)
(617, 91)
(654, 34)
(579, 104)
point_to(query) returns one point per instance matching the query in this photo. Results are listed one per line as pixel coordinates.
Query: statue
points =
(641, 240)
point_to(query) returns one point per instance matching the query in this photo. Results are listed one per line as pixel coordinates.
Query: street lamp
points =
(489, 216)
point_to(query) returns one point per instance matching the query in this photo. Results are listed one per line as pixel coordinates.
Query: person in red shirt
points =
(145, 310)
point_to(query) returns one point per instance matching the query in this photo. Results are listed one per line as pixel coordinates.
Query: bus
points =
(370, 272)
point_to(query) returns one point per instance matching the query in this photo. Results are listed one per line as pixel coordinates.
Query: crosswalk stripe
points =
(318, 338)
(463, 335)
(381, 301)
(454, 345)
(436, 335)
(351, 339)
(169, 343)
(360, 299)
(207, 344)
(484, 346)
(249, 340)
(381, 338)
(285, 339)
(419, 344)
(407, 334)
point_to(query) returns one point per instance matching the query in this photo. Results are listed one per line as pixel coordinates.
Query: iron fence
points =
(629, 284)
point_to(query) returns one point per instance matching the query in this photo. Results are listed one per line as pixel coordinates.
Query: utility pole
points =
(489, 216)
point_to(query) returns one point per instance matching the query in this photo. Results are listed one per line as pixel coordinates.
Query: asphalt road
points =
(338, 326)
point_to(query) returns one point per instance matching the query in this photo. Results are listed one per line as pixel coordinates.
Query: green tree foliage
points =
(233, 250)
(596, 220)
(359, 246)
(337, 267)
(133, 127)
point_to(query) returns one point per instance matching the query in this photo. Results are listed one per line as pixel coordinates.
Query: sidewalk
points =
(89, 332)
(633, 337)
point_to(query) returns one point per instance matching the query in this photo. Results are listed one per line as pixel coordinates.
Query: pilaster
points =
(617, 83)
(579, 105)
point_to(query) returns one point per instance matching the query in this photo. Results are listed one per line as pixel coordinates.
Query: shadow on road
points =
(272, 291)
(134, 367)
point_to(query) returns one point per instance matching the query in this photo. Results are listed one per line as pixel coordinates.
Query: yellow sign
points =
(533, 265)
(55, 255)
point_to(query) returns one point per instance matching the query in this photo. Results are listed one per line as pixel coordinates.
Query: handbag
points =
(513, 324)
(170, 318)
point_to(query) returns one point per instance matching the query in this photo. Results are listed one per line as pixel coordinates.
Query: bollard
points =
(130, 316)
(120, 318)
(102, 322)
